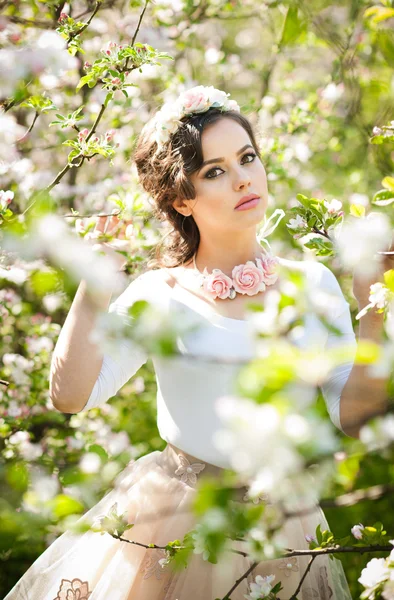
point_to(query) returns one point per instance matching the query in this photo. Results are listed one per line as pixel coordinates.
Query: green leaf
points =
(63, 505)
(83, 81)
(385, 39)
(388, 183)
(357, 210)
(383, 198)
(292, 27)
(319, 535)
(44, 282)
(17, 476)
(389, 279)
(108, 98)
(98, 450)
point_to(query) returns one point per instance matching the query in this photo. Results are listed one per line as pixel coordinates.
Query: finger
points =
(113, 224)
(101, 222)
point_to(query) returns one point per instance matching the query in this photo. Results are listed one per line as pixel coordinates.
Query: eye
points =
(253, 154)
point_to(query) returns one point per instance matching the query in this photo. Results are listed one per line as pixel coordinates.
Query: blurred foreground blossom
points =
(90, 463)
(48, 53)
(50, 238)
(264, 445)
(359, 239)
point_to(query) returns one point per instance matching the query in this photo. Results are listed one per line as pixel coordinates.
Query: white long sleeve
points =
(117, 370)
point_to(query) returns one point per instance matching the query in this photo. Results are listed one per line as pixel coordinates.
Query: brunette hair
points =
(164, 175)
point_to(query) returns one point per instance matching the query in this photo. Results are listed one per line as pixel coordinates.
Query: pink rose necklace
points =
(249, 278)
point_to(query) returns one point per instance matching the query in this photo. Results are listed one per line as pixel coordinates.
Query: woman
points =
(199, 161)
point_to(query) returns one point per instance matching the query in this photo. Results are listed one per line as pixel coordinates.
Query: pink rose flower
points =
(268, 264)
(248, 279)
(217, 284)
(194, 100)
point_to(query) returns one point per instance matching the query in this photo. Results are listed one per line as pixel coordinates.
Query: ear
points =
(182, 207)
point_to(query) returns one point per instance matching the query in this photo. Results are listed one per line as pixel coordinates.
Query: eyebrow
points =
(221, 158)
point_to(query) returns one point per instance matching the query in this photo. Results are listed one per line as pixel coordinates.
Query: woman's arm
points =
(76, 361)
(363, 395)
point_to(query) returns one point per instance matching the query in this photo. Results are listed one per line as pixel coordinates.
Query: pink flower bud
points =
(85, 131)
(108, 52)
(95, 139)
(63, 16)
(357, 531)
(309, 538)
(115, 81)
(87, 64)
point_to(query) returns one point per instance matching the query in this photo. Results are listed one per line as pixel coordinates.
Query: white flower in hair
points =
(196, 100)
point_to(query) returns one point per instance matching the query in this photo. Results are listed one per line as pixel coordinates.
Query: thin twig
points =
(310, 563)
(139, 22)
(244, 576)
(75, 33)
(29, 130)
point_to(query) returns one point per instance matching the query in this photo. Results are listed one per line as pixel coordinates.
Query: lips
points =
(246, 199)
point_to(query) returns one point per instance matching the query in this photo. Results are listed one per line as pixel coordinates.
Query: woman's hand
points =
(111, 226)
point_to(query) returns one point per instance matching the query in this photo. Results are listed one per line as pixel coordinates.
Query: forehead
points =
(226, 136)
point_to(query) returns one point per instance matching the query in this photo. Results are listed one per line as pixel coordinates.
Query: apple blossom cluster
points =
(115, 63)
(380, 298)
(315, 220)
(70, 29)
(261, 588)
(386, 131)
(196, 100)
(94, 145)
(378, 578)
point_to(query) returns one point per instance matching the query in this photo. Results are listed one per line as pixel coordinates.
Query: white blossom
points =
(359, 239)
(261, 588)
(333, 206)
(374, 573)
(297, 223)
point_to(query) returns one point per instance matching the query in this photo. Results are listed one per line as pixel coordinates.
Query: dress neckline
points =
(200, 305)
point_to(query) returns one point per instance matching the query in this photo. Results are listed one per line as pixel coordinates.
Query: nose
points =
(242, 179)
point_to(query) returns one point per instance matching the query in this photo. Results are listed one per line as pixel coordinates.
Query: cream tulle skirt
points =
(156, 492)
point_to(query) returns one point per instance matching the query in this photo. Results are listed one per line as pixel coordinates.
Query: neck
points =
(226, 254)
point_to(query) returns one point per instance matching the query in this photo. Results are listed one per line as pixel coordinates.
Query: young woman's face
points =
(221, 184)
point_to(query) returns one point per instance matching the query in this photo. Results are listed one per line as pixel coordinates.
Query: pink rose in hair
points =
(217, 284)
(194, 100)
(248, 279)
(268, 264)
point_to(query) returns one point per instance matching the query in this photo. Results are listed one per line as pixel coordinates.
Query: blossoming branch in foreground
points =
(378, 578)
(380, 297)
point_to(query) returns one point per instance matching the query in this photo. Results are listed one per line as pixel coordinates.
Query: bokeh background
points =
(314, 77)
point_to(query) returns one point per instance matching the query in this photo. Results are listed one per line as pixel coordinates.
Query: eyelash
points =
(216, 168)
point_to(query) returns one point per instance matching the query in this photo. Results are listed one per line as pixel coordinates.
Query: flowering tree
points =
(88, 75)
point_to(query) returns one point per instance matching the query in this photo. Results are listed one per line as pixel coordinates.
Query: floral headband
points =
(196, 100)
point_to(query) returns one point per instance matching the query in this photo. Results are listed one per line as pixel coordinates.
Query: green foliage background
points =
(314, 78)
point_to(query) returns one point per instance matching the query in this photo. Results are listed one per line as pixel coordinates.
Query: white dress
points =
(157, 490)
